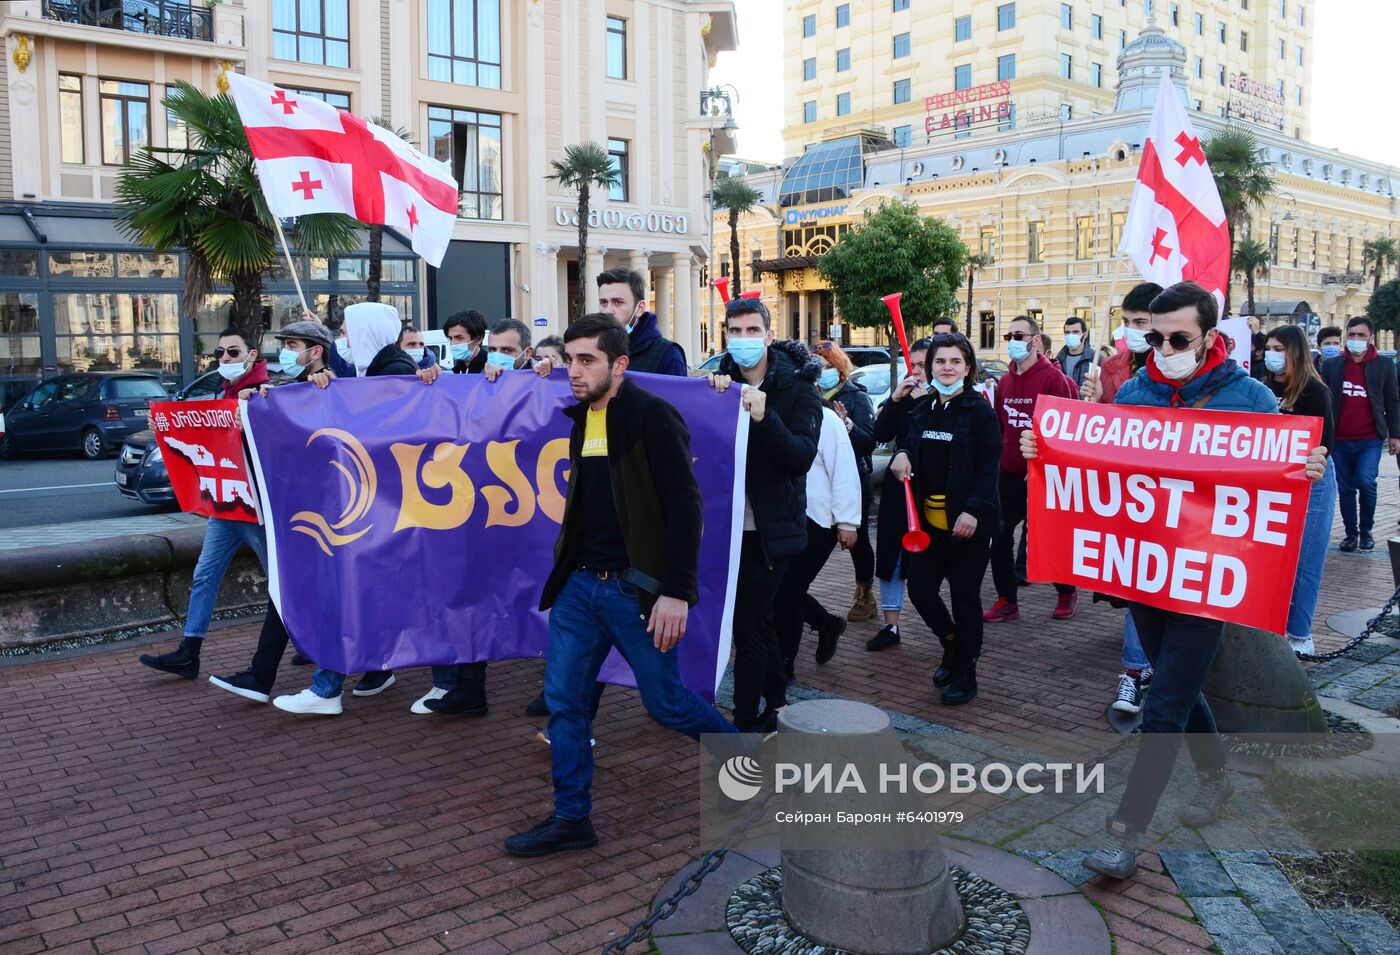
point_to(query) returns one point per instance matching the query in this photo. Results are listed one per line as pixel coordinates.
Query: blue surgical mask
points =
(1073, 341)
(1331, 351)
(1017, 350)
(828, 379)
(1275, 361)
(415, 353)
(948, 391)
(1356, 347)
(343, 348)
(463, 351)
(232, 371)
(501, 360)
(290, 365)
(746, 352)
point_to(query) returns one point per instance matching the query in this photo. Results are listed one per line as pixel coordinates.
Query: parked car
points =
(992, 368)
(140, 473)
(89, 412)
(863, 355)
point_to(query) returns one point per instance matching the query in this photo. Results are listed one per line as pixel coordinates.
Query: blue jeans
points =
(221, 541)
(327, 683)
(892, 590)
(589, 618)
(1134, 658)
(1357, 464)
(1312, 554)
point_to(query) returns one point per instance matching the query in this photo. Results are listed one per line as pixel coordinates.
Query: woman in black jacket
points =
(951, 448)
(852, 404)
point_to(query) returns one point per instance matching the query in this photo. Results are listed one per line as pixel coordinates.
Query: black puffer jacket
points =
(782, 447)
(391, 360)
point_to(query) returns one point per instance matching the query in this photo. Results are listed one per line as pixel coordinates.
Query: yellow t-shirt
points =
(595, 434)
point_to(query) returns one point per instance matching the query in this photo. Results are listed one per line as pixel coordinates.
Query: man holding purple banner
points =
(624, 574)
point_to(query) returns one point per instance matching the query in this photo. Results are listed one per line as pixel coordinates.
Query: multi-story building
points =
(910, 66)
(496, 88)
(1046, 202)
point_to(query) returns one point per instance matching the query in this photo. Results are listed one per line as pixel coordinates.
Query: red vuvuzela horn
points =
(752, 293)
(915, 539)
(892, 303)
(722, 285)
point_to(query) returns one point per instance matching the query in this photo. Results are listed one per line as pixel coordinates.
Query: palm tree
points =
(1383, 251)
(375, 272)
(1242, 178)
(1251, 260)
(733, 196)
(974, 263)
(584, 166)
(205, 200)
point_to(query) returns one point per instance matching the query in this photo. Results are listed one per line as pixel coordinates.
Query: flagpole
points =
(292, 266)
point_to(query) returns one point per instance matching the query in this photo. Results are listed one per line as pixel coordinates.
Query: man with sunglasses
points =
(241, 367)
(1032, 374)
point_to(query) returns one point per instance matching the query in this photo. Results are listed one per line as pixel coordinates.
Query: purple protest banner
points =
(411, 524)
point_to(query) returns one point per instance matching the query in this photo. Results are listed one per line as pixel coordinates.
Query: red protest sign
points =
(1200, 512)
(203, 452)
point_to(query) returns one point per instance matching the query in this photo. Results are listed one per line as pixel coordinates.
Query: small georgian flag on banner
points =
(1176, 228)
(312, 157)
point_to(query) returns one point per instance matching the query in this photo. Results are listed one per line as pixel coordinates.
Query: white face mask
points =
(1136, 339)
(1073, 341)
(1177, 367)
(232, 371)
(415, 353)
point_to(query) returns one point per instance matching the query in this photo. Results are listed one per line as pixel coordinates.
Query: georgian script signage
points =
(666, 223)
(1255, 101)
(960, 110)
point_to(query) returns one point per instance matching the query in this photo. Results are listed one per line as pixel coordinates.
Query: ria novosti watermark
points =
(742, 778)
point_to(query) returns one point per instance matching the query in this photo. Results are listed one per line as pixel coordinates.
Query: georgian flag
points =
(1176, 228)
(311, 157)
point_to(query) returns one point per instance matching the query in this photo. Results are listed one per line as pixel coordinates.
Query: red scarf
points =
(1216, 356)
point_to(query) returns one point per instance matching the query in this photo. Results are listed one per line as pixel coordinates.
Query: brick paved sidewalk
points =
(148, 814)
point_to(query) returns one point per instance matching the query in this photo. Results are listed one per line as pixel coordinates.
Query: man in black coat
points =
(622, 294)
(781, 399)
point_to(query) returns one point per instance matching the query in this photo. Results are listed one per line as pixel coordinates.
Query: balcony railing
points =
(154, 17)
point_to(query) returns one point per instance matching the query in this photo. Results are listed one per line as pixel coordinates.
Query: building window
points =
(1200, 21)
(1066, 112)
(962, 76)
(1300, 56)
(1034, 238)
(1006, 67)
(108, 331)
(901, 5)
(1200, 68)
(1300, 95)
(126, 119)
(1315, 243)
(843, 60)
(1244, 4)
(1122, 40)
(1301, 15)
(809, 69)
(843, 15)
(1347, 264)
(1222, 33)
(1116, 221)
(809, 25)
(1096, 26)
(1006, 16)
(617, 48)
(1273, 244)
(1221, 74)
(901, 136)
(962, 29)
(809, 111)
(177, 131)
(464, 42)
(618, 161)
(338, 100)
(987, 243)
(987, 330)
(1066, 66)
(1096, 74)
(843, 104)
(901, 45)
(1084, 237)
(1297, 241)
(312, 31)
(1282, 9)
(902, 91)
(1244, 41)
(1066, 16)
(469, 141)
(1176, 15)
(70, 113)
(19, 330)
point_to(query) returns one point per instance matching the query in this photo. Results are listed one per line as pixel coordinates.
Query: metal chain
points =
(711, 861)
(1365, 634)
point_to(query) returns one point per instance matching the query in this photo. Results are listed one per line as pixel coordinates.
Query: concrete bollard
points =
(1257, 686)
(876, 902)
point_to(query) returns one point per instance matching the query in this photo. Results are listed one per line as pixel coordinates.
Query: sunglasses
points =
(1180, 341)
(234, 352)
(1018, 336)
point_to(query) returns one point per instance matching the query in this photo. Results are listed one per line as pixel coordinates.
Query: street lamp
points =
(715, 102)
(1273, 244)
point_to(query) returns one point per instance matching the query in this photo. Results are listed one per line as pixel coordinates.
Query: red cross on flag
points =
(1176, 227)
(311, 157)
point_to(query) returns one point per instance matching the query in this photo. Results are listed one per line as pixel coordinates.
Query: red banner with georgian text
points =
(203, 451)
(1196, 511)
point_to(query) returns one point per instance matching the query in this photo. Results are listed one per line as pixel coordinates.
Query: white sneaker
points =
(421, 706)
(1301, 644)
(543, 737)
(309, 703)
(1129, 700)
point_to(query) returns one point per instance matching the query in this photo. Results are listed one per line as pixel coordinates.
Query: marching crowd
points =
(626, 559)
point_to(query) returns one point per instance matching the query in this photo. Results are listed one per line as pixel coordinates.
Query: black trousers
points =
(1182, 649)
(759, 672)
(272, 643)
(793, 606)
(1012, 488)
(963, 564)
(862, 554)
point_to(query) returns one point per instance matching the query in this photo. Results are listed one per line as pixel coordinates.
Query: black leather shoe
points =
(552, 835)
(537, 706)
(963, 688)
(1367, 542)
(887, 637)
(765, 722)
(944, 674)
(827, 635)
(461, 700)
(300, 661)
(372, 684)
(1348, 544)
(182, 661)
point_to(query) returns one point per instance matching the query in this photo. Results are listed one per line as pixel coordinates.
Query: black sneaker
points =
(1348, 544)
(963, 687)
(300, 661)
(372, 684)
(827, 635)
(765, 723)
(553, 835)
(944, 674)
(887, 637)
(461, 700)
(183, 661)
(244, 685)
(537, 706)
(1367, 541)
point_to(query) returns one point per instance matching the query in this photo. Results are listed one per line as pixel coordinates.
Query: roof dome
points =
(1141, 64)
